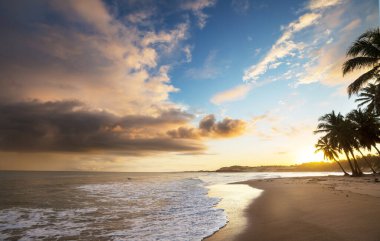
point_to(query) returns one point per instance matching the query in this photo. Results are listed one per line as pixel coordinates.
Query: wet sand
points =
(315, 208)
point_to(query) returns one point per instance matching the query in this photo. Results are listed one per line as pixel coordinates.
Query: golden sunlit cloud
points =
(236, 93)
(145, 81)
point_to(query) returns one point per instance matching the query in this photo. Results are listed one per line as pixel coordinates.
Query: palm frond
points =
(323, 126)
(363, 47)
(371, 34)
(363, 103)
(364, 99)
(370, 108)
(366, 95)
(320, 131)
(355, 86)
(358, 63)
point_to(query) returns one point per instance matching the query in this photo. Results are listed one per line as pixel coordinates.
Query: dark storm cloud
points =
(101, 55)
(209, 127)
(70, 126)
(185, 133)
(170, 117)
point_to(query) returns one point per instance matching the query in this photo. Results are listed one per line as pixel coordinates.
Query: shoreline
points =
(236, 197)
(310, 208)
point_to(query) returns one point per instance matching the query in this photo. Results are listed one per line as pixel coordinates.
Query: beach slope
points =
(315, 208)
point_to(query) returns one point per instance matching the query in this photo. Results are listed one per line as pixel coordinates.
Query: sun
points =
(308, 155)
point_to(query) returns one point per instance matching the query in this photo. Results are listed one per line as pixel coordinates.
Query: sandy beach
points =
(314, 208)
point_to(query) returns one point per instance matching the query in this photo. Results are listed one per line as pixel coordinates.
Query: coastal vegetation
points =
(325, 166)
(359, 130)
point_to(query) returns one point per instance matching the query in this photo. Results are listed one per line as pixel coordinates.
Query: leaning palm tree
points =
(369, 97)
(366, 127)
(348, 142)
(363, 53)
(330, 152)
(340, 134)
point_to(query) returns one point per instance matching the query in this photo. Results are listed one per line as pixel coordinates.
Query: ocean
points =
(122, 206)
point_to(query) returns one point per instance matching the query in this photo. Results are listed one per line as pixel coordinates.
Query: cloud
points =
(207, 71)
(225, 128)
(197, 7)
(91, 55)
(185, 133)
(239, 92)
(275, 65)
(236, 93)
(257, 51)
(346, 23)
(321, 4)
(70, 126)
(95, 79)
(187, 51)
(265, 116)
(313, 46)
(210, 128)
(304, 21)
(270, 126)
(283, 47)
(286, 45)
(240, 6)
(139, 17)
(352, 25)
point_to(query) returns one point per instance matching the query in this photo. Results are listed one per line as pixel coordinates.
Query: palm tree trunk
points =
(354, 173)
(366, 160)
(340, 165)
(359, 171)
(377, 149)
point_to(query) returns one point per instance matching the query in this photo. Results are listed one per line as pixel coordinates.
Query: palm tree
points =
(340, 134)
(370, 96)
(364, 53)
(329, 152)
(348, 142)
(367, 127)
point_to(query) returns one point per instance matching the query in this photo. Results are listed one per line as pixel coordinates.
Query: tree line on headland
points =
(304, 167)
(359, 130)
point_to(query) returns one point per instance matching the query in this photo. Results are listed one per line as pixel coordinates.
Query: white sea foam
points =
(167, 210)
(37, 223)
(148, 209)
(145, 208)
(230, 177)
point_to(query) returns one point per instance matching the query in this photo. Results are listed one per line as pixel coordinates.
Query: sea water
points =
(119, 206)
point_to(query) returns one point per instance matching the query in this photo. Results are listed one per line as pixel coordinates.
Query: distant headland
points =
(304, 167)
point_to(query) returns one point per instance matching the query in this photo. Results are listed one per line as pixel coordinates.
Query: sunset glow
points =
(308, 155)
(171, 86)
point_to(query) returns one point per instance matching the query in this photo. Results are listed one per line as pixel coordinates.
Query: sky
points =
(129, 85)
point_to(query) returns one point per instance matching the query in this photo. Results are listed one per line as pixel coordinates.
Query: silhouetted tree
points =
(367, 127)
(369, 97)
(358, 129)
(341, 134)
(363, 53)
(330, 152)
